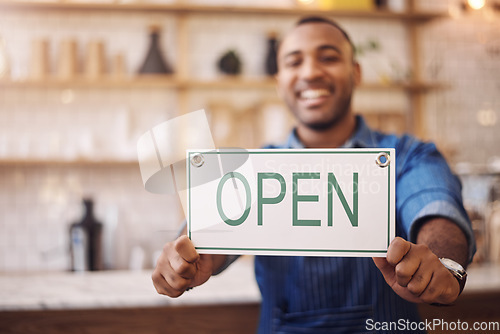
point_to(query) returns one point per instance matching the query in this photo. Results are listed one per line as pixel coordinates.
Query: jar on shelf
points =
(95, 60)
(4, 60)
(67, 65)
(39, 69)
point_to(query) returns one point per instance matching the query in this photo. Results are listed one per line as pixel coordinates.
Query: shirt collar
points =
(363, 137)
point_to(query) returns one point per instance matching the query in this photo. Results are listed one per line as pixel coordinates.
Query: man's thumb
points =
(384, 266)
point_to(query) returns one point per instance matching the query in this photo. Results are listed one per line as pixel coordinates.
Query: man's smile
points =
(313, 97)
(313, 93)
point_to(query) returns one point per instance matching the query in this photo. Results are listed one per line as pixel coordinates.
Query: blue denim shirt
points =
(350, 295)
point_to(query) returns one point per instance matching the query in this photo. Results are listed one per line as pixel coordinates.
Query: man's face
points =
(316, 74)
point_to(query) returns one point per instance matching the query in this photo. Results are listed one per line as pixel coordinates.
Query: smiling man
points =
(316, 78)
(317, 75)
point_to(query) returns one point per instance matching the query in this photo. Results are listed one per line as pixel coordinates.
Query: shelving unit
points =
(183, 8)
(174, 82)
(64, 139)
(183, 84)
(67, 163)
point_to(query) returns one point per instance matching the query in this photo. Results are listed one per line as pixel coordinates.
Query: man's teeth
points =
(314, 93)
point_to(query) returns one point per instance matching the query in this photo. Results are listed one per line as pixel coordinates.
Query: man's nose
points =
(311, 70)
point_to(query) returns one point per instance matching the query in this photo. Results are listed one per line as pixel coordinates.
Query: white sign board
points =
(314, 202)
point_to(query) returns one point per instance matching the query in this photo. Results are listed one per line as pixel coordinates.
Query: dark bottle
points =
(86, 238)
(271, 57)
(155, 63)
(381, 4)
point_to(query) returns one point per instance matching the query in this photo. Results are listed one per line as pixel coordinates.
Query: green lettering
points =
(268, 200)
(352, 215)
(227, 220)
(303, 198)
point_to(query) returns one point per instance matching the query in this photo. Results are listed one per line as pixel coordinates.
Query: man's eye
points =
(330, 59)
(292, 63)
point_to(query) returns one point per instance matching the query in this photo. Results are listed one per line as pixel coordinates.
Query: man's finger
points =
(186, 250)
(382, 264)
(385, 268)
(183, 268)
(397, 250)
(406, 269)
(173, 280)
(420, 281)
(162, 287)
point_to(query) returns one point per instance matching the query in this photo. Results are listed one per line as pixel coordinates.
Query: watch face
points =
(452, 264)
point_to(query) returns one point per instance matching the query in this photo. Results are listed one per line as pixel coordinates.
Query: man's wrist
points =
(456, 270)
(228, 259)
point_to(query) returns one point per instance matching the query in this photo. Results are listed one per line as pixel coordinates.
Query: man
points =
(317, 74)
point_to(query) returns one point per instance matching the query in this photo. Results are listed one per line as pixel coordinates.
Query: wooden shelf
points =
(411, 87)
(203, 9)
(228, 83)
(149, 81)
(164, 81)
(69, 163)
(181, 82)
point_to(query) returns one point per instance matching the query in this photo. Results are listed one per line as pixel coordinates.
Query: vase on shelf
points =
(154, 62)
(230, 63)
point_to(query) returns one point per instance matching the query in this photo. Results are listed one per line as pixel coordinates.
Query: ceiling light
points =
(486, 117)
(305, 2)
(476, 4)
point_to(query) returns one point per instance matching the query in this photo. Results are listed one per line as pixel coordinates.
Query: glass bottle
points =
(271, 61)
(381, 4)
(155, 63)
(86, 238)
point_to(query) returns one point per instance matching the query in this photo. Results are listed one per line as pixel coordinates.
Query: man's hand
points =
(180, 267)
(415, 273)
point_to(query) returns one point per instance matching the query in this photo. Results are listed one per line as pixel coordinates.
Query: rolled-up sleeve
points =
(426, 188)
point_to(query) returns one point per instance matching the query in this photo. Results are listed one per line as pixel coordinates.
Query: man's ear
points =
(357, 73)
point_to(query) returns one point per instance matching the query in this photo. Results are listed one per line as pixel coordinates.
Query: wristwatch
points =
(456, 270)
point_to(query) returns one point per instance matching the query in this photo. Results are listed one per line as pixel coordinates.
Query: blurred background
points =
(79, 83)
(81, 80)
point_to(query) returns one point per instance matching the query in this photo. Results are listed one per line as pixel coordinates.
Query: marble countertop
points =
(483, 278)
(118, 289)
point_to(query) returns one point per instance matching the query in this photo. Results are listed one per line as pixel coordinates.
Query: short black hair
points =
(321, 19)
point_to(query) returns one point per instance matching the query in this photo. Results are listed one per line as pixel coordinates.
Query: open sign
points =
(321, 202)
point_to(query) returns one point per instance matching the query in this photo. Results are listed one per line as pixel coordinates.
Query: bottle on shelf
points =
(86, 239)
(380, 4)
(155, 62)
(271, 62)
(4, 60)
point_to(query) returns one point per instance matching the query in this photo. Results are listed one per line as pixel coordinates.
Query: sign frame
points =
(389, 154)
